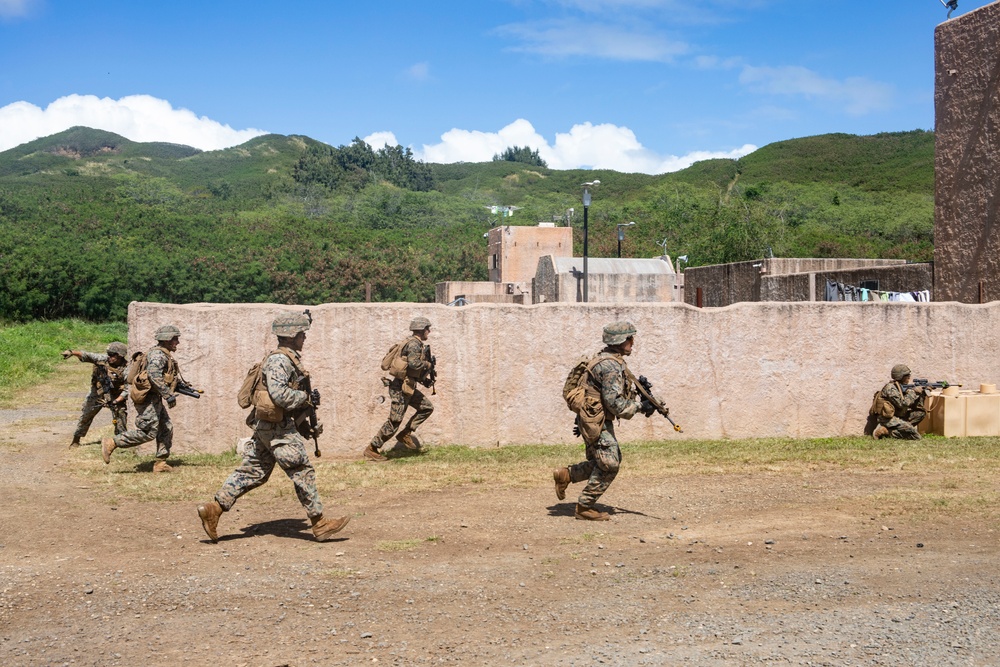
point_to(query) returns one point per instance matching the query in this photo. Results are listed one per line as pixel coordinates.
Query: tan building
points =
(513, 257)
(610, 280)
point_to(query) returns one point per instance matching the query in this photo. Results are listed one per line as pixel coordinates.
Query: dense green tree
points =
(523, 154)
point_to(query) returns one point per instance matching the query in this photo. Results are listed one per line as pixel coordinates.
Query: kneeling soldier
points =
(276, 438)
(898, 411)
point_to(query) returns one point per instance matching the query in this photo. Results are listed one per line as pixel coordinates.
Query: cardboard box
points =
(968, 414)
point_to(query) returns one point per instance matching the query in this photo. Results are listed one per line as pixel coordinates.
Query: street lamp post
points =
(586, 207)
(621, 234)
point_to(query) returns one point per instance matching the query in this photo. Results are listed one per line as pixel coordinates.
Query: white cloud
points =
(135, 117)
(418, 71)
(570, 38)
(17, 8)
(378, 140)
(856, 95)
(586, 145)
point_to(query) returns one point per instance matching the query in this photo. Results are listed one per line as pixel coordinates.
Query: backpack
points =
(394, 362)
(583, 400)
(253, 392)
(138, 378)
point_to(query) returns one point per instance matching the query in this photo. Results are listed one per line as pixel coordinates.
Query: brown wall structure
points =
(967, 157)
(802, 286)
(726, 284)
(747, 370)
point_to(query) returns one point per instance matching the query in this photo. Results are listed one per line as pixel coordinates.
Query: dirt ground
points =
(718, 569)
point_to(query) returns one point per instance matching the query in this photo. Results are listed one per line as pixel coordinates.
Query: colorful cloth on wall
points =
(840, 292)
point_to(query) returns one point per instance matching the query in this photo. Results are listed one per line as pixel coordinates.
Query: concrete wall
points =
(514, 250)
(611, 280)
(796, 286)
(725, 284)
(967, 157)
(752, 369)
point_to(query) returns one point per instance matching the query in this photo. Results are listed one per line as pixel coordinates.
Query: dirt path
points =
(777, 568)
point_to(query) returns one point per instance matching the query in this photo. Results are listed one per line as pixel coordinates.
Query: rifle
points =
(307, 427)
(184, 389)
(430, 377)
(651, 404)
(922, 383)
(105, 381)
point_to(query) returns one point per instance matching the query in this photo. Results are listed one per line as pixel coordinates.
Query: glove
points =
(646, 408)
(314, 397)
(318, 429)
(171, 400)
(66, 354)
(576, 430)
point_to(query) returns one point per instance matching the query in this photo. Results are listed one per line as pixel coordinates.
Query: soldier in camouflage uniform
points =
(151, 419)
(107, 382)
(403, 393)
(618, 397)
(907, 407)
(277, 441)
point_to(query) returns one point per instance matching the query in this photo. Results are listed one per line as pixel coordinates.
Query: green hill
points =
(90, 220)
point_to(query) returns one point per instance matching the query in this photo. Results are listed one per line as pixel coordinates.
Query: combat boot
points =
(210, 513)
(880, 432)
(561, 477)
(372, 454)
(324, 529)
(161, 465)
(107, 446)
(75, 443)
(590, 514)
(407, 440)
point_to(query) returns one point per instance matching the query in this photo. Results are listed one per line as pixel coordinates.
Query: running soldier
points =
(609, 379)
(897, 410)
(154, 380)
(403, 392)
(107, 384)
(278, 406)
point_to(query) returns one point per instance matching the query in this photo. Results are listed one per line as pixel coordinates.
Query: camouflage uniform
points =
(276, 442)
(604, 456)
(909, 407)
(152, 419)
(417, 367)
(98, 398)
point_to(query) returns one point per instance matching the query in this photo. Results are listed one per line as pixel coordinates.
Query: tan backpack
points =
(394, 362)
(138, 378)
(253, 391)
(584, 400)
(881, 407)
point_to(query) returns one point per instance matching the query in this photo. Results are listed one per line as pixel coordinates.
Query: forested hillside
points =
(90, 221)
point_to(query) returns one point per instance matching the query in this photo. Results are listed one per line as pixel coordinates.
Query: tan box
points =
(982, 414)
(968, 414)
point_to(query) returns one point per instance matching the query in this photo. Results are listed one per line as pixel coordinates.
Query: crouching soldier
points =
(278, 404)
(107, 384)
(898, 411)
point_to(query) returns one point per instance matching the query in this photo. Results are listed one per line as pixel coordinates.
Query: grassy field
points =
(959, 473)
(29, 352)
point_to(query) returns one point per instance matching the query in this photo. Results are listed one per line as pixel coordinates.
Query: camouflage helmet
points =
(419, 323)
(900, 371)
(617, 333)
(117, 348)
(290, 324)
(167, 332)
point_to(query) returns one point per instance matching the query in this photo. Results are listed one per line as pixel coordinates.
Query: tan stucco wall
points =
(967, 158)
(518, 248)
(751, 369)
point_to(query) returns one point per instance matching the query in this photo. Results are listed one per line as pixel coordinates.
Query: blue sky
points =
(633, 85)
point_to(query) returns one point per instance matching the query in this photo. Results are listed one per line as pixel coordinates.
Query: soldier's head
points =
(291, 329)
(421, 327)
(901, 373)
(168, 336)
(116, 353)
(620, 336)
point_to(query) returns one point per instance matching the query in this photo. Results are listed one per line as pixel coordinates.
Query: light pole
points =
(682, 258)
(586, 206)
(621, 235)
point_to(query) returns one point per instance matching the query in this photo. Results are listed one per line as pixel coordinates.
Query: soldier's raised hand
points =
(66, 354)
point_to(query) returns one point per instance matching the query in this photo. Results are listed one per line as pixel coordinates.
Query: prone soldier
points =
(107, 384)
